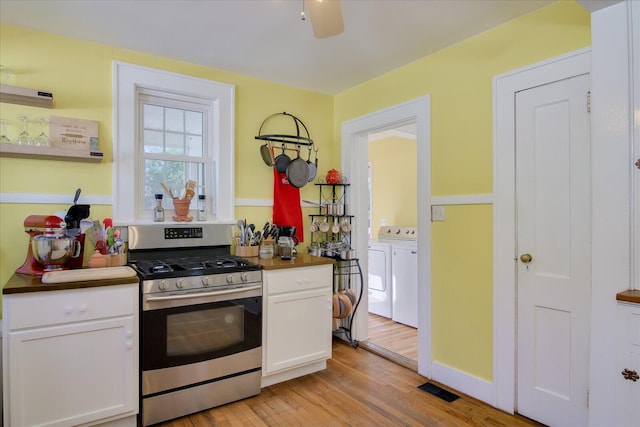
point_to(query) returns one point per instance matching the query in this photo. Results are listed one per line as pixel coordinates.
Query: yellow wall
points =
(393, 182)
(459, 80)
(79, 75)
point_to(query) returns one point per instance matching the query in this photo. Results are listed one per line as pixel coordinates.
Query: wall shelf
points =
(26, 96)
(48, 153)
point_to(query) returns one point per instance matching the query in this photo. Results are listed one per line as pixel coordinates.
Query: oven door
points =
(194, 333)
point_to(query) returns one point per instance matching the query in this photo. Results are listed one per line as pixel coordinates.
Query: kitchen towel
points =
(286, 204)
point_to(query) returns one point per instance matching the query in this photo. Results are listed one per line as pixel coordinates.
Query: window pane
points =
(194, 146)
(193, 122)
(153, 141)
(153, 117)
(174, 120)
(174, 175)
(174, 143)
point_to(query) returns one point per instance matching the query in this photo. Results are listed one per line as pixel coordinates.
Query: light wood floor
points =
(358, 388)
(394, 337)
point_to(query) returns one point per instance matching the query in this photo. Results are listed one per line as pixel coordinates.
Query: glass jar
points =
(158, 211)
(202, 208)
(266, 250)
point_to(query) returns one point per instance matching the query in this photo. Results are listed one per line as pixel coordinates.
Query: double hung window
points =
(173, 133)
(168, 129)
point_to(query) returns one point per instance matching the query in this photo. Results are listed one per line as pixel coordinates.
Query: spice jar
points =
(202, 209)
(158, 211)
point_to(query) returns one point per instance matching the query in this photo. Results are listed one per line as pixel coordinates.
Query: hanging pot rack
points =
(296, 139)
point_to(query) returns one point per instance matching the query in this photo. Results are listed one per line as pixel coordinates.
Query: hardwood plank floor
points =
(394, 337)
(358, 388)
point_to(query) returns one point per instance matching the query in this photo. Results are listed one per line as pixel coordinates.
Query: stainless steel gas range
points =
(201, 319)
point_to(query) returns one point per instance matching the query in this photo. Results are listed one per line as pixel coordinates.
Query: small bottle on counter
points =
(202, 209)
(158, 211)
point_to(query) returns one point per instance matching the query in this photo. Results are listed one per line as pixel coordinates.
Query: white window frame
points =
(128, 80)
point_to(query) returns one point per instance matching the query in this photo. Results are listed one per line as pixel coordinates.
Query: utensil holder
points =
(247, 251)
(181, 207)
(116, 260)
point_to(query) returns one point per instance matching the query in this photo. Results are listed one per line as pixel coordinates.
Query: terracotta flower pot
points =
(181, 207)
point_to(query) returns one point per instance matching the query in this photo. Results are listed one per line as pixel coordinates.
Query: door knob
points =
(526, 258)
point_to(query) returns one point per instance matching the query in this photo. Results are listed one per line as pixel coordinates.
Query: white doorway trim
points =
(355, 136)
(505, 87)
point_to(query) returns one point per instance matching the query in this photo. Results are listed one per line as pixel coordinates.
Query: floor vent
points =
(438, 392)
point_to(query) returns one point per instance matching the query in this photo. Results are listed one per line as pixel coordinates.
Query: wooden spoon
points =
(168, 190)
(190, 188)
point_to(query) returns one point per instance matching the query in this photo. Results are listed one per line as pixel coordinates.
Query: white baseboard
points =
(463, 382)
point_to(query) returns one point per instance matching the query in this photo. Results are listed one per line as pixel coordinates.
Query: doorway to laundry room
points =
(355, 164)
(392, 246)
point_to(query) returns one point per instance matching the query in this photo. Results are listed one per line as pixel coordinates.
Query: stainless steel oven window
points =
(204, 331)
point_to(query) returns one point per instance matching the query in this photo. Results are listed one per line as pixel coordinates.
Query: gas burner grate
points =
(193, 265)
(154, 267)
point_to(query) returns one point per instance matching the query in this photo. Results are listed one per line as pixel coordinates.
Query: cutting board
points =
(88, 274)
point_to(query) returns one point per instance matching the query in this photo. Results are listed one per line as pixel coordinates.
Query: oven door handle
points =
(206, 294)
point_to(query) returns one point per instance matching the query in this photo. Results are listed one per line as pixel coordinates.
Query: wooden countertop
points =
(629, 295)
(19, 284)
(302, 260)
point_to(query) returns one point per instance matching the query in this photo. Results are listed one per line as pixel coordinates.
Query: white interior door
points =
(554, 246)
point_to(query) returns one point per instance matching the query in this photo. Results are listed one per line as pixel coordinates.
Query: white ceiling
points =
(266, 38)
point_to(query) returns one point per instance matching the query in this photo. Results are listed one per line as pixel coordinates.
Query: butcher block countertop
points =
(302, 260)
(19, 284)
(629, 296)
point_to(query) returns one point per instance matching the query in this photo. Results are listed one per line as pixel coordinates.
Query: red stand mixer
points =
(37, 225)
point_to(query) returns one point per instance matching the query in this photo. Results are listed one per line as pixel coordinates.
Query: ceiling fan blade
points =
(326, 17)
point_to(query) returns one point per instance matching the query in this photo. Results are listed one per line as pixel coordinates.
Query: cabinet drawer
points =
(74, 305)
(297, 279)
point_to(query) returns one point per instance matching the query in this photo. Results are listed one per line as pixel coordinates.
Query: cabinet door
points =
(298, 329)
(628, 356)
(404, 270)
(72, 374)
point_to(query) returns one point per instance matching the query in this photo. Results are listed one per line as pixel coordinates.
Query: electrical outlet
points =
(437, 213)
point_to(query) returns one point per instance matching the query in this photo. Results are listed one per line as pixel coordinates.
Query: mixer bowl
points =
(54, 250)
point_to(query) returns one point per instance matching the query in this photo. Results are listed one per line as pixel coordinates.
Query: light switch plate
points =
(437, 213)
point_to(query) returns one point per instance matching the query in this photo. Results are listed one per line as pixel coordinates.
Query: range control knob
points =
(230, 278)
(244, 277)
(179, 283)
(205, 281)
(162, 285)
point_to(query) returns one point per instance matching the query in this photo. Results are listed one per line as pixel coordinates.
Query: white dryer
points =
(380, 291)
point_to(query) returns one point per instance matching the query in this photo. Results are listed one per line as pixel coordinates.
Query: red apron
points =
(286, 203)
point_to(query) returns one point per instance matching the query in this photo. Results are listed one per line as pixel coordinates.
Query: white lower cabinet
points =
(627, 393)
(71, 357)
(296, 322)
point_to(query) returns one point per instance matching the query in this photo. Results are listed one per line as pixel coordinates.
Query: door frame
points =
(505, 87)
(355, 139)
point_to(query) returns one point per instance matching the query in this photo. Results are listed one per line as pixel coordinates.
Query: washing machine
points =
(380, 292)
(404, 272)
